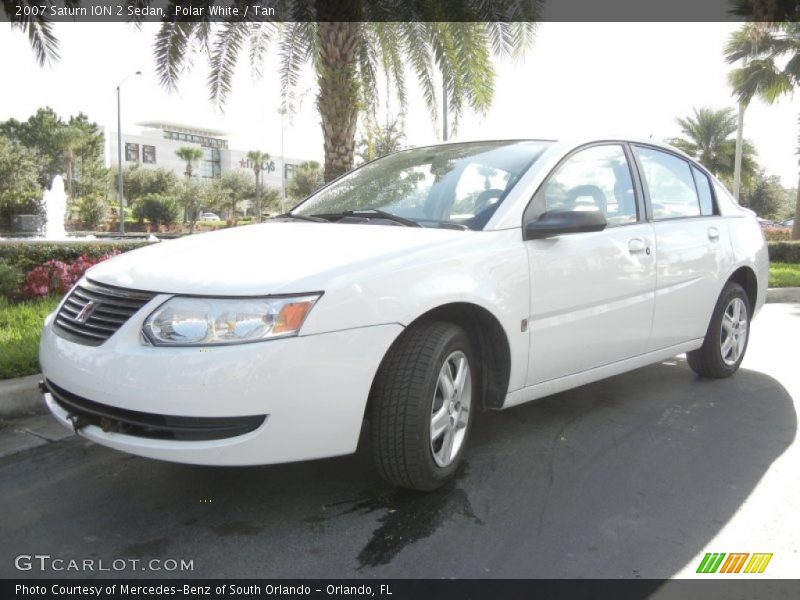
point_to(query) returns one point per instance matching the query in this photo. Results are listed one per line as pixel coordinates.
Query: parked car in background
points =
(209, 216)
(787, 223)
(408, 296)
(766, 223)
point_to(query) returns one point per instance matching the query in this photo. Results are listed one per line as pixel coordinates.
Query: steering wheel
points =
(484, 198)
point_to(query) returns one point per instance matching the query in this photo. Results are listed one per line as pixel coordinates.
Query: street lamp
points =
(119, 155)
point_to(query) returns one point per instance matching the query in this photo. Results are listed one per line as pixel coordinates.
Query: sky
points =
(596, 79)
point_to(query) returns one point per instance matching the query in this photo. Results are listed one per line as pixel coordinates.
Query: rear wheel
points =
(422, 405)
(726, 339)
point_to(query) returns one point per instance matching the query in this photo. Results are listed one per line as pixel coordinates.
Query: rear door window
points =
(669, 180)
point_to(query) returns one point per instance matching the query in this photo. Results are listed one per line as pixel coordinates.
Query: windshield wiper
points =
(301, 218)
(365, 212)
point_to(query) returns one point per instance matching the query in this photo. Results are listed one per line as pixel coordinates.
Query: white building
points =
(155, 146)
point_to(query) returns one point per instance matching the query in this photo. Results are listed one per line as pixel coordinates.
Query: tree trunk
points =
(796, 227)
(68, 164)
(337, 100)
(258, 197)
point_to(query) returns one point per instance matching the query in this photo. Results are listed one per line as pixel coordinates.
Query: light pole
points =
(119, 155)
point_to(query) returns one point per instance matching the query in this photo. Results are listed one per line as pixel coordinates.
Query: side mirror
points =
(560, 222)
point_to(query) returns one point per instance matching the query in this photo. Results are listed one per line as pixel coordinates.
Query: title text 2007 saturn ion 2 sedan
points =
(408, 295)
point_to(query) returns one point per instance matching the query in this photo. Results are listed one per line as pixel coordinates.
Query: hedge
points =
(785, 252)
(27, 255)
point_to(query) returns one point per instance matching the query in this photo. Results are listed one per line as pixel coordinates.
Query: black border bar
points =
(729, 588)
(140, 11)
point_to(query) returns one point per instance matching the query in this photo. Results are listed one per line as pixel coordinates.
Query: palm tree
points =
(347, 42)
(190, 154)
(70, 140)
(257, 159)
(771, 70)
(707, 138)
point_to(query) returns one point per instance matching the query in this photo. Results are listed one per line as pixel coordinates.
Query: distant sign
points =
(268, 166)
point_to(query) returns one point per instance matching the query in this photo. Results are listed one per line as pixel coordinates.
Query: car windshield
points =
(456, 185)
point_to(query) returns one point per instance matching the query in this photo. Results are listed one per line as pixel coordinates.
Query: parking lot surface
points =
(635, 476)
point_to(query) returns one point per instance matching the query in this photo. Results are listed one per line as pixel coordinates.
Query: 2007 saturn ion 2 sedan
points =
(407, 296)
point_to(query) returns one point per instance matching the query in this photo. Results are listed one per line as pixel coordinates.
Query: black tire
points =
(403, 400)
(708, 361)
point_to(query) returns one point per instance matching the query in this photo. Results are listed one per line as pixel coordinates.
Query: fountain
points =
(55, 207)
(54, 202)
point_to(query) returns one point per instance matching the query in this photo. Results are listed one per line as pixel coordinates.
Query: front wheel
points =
(422, 405)
(726, 339)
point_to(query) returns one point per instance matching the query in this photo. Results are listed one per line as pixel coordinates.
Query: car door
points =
(692, 246)
(591, 293)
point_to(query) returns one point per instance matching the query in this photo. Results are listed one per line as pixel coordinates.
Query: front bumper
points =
(312, 391)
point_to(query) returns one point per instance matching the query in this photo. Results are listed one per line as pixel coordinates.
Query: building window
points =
(149, 154)
(210, 167)
(132, 152)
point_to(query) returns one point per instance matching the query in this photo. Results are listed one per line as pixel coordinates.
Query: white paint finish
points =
(553, 386)
(591, 300)
(692, 268)
(313, 388)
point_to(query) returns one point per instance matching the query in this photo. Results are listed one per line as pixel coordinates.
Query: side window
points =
(598, 178)
(670, 183)
(703, 192)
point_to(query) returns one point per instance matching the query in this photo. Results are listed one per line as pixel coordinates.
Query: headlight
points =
(190, 321)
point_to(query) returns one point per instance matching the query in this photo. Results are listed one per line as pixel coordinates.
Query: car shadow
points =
(627, 477)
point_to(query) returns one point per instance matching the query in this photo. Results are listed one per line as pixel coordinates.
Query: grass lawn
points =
(784, 275)
(20, 326)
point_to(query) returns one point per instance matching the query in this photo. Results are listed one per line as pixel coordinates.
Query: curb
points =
(787, 294)
(21, 397)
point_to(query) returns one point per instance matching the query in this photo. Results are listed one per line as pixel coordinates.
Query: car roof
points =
(570, 141)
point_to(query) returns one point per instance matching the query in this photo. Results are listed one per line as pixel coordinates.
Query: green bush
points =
(158, 209)
(10, 282)
(784, 252)
(91, 210)
(24, 256)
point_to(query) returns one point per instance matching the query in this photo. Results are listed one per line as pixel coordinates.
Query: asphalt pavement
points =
(636, 476)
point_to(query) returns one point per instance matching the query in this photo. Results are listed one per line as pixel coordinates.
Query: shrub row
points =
(784, 234)
(785, 252)
(25, 256)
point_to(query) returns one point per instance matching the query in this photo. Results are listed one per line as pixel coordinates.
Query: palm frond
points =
(367, 71)
(294, 50)
(224, 55)
(760, 77)
(260, 37)
(39, 31)
(388, 44)
(417, 50)
(171, 49)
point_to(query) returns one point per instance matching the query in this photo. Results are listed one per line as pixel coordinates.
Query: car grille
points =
(84, 412)
(92, 313)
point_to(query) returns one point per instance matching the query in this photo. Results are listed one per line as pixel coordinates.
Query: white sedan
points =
(407, 297)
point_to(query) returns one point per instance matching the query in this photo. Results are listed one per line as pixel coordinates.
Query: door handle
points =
(636, 246)
(713, 234)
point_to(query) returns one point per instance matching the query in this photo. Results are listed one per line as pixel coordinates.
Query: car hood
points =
(271, 258)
